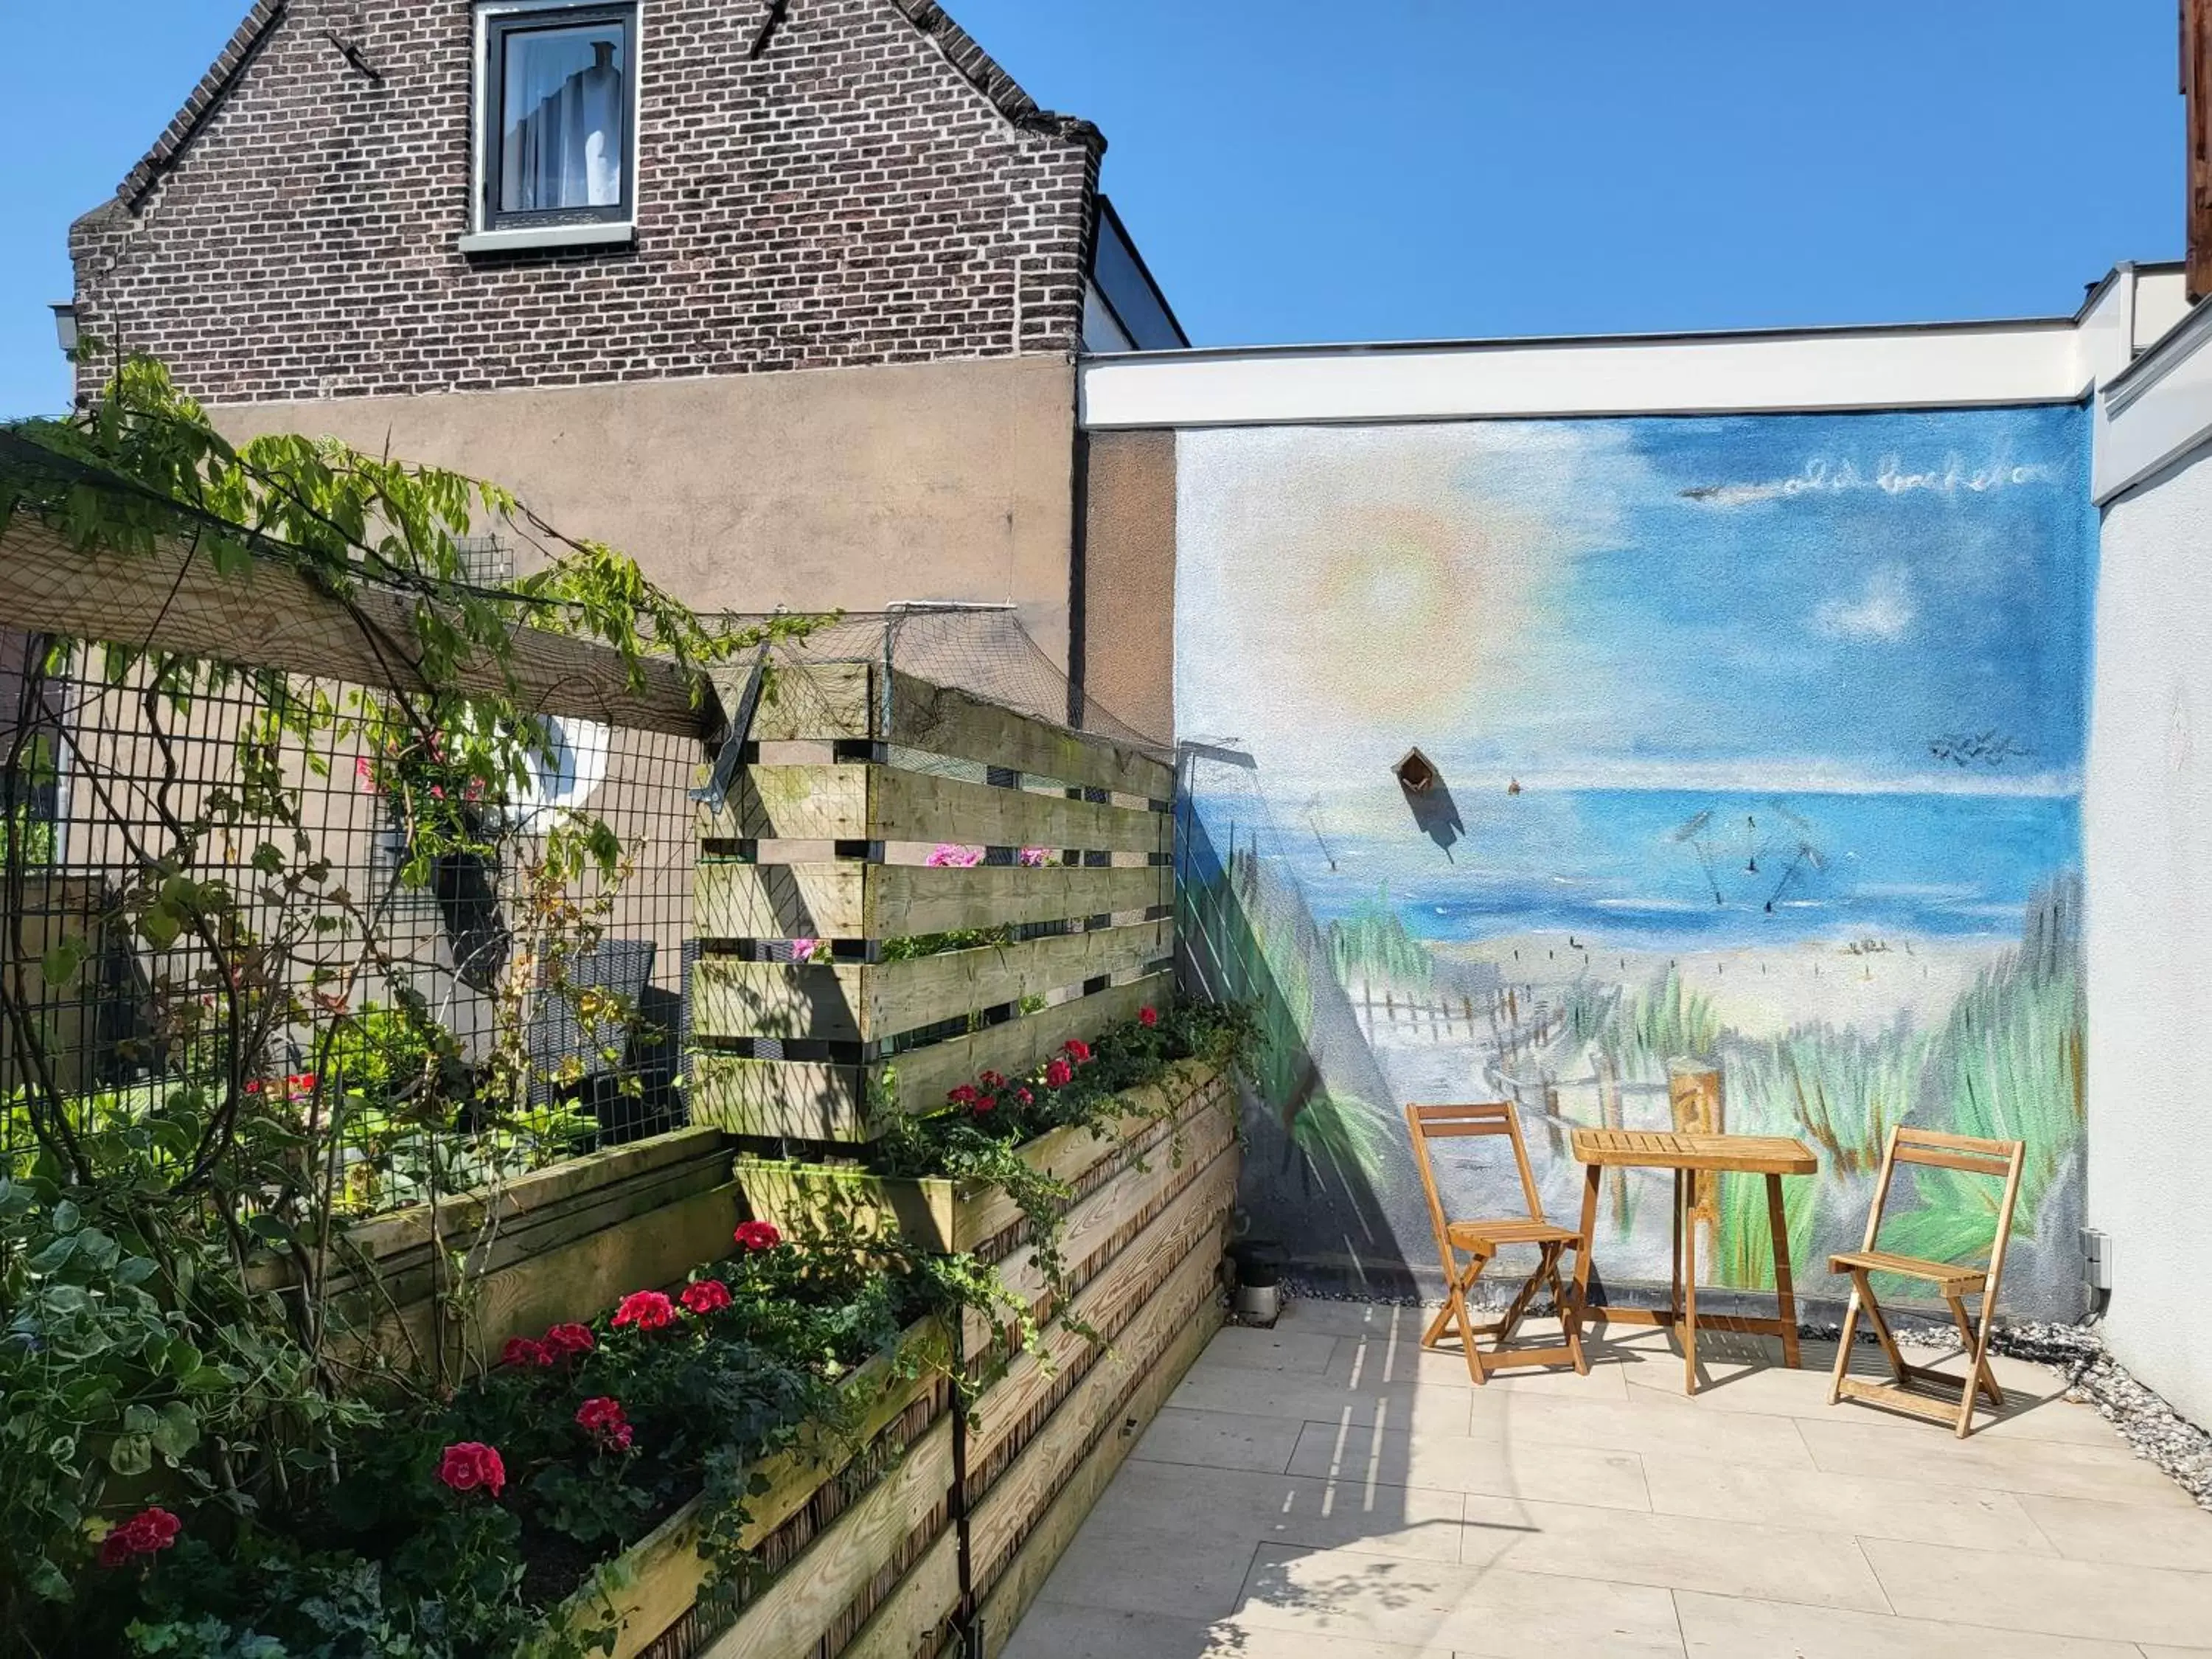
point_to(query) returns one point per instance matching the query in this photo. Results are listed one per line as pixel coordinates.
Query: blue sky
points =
(1838, 602)
(1302, 169)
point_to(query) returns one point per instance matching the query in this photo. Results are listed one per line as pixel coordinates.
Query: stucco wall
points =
(845, 488)
(2148, 845)
(1129, 577)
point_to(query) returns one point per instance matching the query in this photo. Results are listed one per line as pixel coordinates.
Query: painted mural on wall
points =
(1760, 744)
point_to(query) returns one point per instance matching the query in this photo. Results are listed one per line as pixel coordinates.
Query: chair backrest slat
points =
(2000, 1160)
(1486, 1117)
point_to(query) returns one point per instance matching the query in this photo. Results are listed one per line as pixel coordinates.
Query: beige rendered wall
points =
(817, 488)
(1129, 578)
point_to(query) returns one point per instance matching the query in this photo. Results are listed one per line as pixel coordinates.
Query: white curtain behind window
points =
(562, 147)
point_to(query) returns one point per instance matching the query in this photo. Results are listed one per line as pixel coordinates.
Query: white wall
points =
(2148, 849)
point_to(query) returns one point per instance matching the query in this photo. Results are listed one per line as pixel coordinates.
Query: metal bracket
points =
(727, 761)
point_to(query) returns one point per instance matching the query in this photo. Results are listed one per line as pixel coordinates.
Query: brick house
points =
(782, 296)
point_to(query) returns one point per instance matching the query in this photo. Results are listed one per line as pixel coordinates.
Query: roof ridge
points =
(245, 42)
(983, 72)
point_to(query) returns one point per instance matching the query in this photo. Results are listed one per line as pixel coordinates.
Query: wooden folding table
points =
(1689, 1156)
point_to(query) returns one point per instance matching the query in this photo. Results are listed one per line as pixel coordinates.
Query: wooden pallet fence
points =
(876, 1033)
(565, 1242)
(940, 1214)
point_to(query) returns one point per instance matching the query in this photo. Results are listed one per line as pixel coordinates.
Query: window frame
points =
(491, 230)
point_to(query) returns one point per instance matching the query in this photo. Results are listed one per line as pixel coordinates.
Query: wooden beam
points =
(856, 1002)
(808, 1100)
(273, 617)
(734, 900)
(2197, 88)
(853, 800)
(844, 701)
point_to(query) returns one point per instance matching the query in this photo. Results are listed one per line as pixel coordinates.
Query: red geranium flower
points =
(646, 1309)
(965, 1095)
(521, 1351)
(563, 1340)
(1148, 1017)
(987, 1103)
(758, 1235)
(1059, 1075)
(1079, 1051)
(468, 1464)
(1025, 1097)
(602, 1418)
(993, 1081)
(149, 1530)
(705, 1296)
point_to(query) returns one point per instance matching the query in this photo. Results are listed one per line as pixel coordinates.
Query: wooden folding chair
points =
(1481, 1240)
(1972, 1156)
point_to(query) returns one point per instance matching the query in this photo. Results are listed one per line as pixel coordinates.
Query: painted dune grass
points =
(2006, 1062)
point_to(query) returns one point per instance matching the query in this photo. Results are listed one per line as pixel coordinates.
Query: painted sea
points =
(1693, 868)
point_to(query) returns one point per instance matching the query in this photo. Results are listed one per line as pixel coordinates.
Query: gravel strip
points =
(2177, 1446)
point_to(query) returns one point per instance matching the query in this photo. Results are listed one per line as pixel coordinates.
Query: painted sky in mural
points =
(1761, 742)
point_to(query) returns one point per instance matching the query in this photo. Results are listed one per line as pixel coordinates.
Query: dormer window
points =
(556, 120)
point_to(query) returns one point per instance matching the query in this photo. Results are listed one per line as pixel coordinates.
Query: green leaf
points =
(139, 1419)
(55, 1256)
(67, 1218)
(131, 1454)
(160, 928)
(59, 965)
(177, 1431)
(135, 1270)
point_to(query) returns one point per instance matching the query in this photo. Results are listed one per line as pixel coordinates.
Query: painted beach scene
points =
(1753, 753)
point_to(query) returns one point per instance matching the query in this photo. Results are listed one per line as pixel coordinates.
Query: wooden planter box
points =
(655, 1582)
(939, 1214)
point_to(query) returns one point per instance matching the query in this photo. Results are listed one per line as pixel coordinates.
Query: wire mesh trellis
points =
(122, 780)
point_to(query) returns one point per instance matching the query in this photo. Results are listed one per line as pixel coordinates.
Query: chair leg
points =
(1474, 1366)
(1974, 1346)
(1844, 1338)
(1899, 1369)
(1571, 1314)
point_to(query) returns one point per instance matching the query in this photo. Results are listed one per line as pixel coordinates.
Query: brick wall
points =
(872, 189)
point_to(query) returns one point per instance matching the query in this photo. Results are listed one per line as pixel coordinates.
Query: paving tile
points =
(1644, 1422)
(1181, 1575)
(1351, 1318)
(1396, 1357)
(1491, 1465)
(1478, 1613)
(2127, 1534)
(1283, 1509)
(1278, 1350)
(2054, 1468)
(1225, 1440)
(1673, 1552)
(1304, 1399)
(1057, 1630)
(2052, 1597)
(1849, 1504)
(1733, 1627)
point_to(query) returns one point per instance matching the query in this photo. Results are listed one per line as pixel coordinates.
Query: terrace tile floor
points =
(1327, 1491)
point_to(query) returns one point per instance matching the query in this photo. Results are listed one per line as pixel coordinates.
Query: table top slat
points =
(1666, 1149)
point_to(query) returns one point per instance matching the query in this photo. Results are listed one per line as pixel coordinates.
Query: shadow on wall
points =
(1323, 1129)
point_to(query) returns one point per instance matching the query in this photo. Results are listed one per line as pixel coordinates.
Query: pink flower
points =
(705, 1296)
(951, 857)
(758, 1235)
(1148, 1018)
(1033, 857)
(567, 1340)
(1025, 1097)
(803, 950)
(468, 1464)
(521, 1351)
(602, 1418)
(646, 1309)
(1059, 1075)
(149, 1530)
